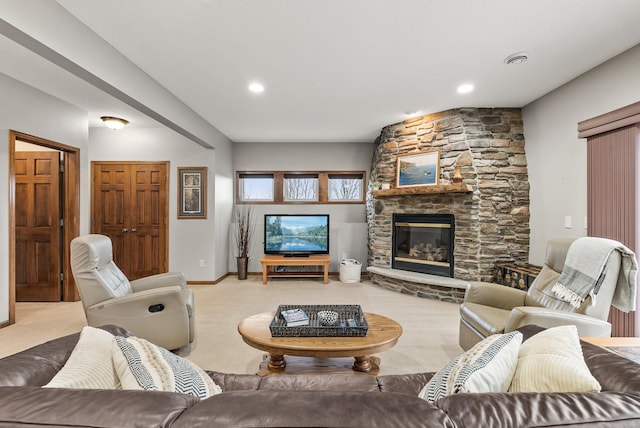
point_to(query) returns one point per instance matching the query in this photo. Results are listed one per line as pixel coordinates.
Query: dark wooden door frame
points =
(71, 209)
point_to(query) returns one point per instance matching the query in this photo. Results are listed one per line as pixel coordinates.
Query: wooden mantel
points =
(423, 190)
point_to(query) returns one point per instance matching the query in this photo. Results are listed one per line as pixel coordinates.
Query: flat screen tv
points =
(296, 234)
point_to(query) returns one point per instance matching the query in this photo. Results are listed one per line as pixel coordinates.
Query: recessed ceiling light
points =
(256, 87)
(516, 58)
(465, 88)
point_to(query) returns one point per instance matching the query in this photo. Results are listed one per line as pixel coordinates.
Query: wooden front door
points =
(37, 226)
(130, 205)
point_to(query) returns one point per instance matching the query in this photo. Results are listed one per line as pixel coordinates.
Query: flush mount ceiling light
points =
(465, 88)
(256, 87)
(516, 58)
(411, 113)
(114, 123)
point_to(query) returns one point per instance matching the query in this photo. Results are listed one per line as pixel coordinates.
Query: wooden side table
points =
(269, 261)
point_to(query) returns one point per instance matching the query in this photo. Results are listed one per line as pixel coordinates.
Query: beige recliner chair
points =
(492, 308)
(158, 308)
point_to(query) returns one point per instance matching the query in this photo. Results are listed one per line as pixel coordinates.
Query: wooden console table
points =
(312, 260)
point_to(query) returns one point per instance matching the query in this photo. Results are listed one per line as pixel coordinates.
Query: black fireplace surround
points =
(423, 243)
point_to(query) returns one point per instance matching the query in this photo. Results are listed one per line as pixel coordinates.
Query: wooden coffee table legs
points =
(362, 364)
(276, 363)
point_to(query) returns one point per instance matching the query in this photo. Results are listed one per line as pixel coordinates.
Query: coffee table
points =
(383, 334)
(628, 347)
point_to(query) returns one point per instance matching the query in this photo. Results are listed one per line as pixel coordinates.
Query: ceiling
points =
(337, 70)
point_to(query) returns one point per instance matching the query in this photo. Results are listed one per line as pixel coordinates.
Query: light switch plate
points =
(567, 222)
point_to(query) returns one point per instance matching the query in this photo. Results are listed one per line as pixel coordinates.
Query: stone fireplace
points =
(490, 207)
(423, 243)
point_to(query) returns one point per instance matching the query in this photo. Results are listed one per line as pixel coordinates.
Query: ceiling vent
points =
(516, 58)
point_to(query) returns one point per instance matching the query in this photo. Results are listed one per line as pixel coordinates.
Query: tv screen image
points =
(296, 234)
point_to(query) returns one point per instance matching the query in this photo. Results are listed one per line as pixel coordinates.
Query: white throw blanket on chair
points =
(584, 270)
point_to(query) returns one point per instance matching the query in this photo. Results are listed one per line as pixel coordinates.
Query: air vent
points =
(516, 58)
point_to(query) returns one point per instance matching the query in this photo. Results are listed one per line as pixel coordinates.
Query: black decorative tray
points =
(341, 328)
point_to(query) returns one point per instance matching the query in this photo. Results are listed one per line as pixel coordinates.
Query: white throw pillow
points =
(90, 365)
(487, 367)
(142, 365)
(552, 361)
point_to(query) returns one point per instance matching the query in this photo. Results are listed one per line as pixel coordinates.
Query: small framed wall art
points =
(418, 169)
(192, 192)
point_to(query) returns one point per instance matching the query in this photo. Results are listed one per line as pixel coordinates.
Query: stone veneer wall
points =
(492, 222)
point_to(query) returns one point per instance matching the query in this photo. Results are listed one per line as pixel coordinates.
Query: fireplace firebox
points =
(423, 243)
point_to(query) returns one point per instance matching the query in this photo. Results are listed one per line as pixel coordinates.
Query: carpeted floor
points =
(428, 342)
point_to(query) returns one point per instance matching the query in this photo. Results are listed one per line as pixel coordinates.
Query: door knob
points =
(125, 230)
(133, 229)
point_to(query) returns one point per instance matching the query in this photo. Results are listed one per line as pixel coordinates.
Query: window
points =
(300, 187)
(345, 187)
(310, 187)
(255, 187)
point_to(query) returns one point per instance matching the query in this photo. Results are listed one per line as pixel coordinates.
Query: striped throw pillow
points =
(552, 361)
(142, 365)
(90, 365)
(487, 367)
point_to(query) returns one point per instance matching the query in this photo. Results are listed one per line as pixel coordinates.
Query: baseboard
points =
(217, 281)
(260, 273)
(214, 282)
(201, 282)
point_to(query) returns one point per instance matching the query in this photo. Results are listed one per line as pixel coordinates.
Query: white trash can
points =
(350, 271)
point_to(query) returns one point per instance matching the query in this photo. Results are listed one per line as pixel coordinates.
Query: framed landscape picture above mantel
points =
(192, 192)
(418, 169)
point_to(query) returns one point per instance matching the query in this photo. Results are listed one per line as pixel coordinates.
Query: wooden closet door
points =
(111, 209)
(130, 205)
(148, 221)
(37, 263)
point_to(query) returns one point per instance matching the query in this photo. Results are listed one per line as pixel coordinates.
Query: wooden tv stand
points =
(312, 260)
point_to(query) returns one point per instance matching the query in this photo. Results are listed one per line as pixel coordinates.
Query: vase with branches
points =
(243, 235)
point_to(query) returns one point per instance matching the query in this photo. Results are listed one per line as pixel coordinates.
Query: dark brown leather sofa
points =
(308, 400)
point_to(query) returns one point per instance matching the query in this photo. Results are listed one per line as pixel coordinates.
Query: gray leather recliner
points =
(158, 308)
(493, 308)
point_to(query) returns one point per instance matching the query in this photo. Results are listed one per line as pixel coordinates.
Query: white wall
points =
(189, 240)
(87, 56)
(557, 157)
(348, 228)
(99, 64)
(30, 111)
(223, 206)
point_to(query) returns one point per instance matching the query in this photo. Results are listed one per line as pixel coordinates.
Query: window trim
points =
(278, 187)
(345, 176)
(239, 189)
(297, 176)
